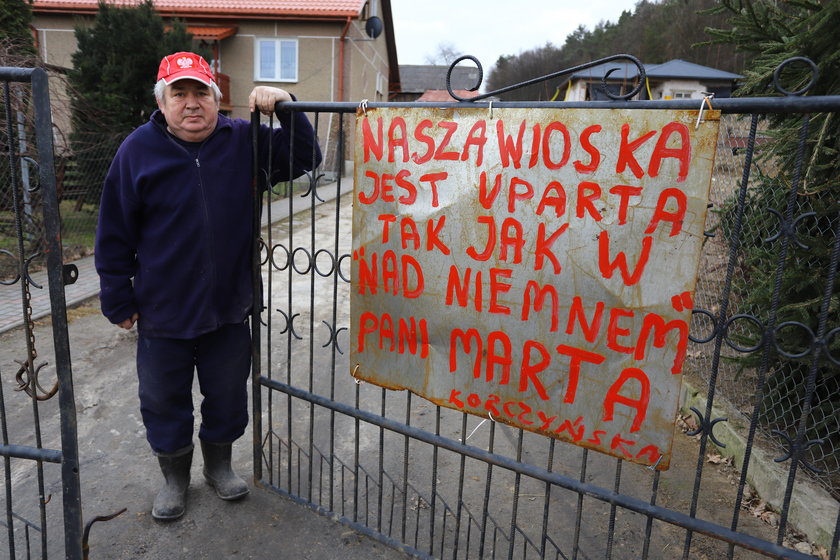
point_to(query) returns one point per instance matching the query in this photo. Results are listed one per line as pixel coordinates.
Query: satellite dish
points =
(373, 27)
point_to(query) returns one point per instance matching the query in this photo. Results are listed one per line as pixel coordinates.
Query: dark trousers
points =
(165, 368)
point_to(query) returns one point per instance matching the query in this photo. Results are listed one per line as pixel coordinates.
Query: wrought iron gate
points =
(30, 231)
(436, 483)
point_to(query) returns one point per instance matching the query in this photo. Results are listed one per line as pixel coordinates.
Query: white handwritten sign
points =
(536, 266)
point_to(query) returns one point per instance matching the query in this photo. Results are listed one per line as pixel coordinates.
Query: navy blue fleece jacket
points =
(174, 236)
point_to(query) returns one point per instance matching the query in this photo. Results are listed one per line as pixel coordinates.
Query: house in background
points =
(319, 50)
(675, 79)
(428, 82)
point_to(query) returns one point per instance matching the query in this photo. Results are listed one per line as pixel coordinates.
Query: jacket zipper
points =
(209, 240)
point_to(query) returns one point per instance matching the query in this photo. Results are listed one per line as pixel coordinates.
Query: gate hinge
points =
(69, 274)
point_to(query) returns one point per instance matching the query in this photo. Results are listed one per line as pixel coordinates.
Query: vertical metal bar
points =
(435, 452)
(406, 462)
(765, 358)
(336, 278)
(460, 503)
(579, 513)
(381, 464)
(269, 324)
(547, 499)
(443, 531)
(515, 506)
(290, 330)
(616, 489)
(649, 524)
(487, 483)
(7, 479)
(312, 277)
(343, 500)
(69, 433)
(271, 431)
(257, 301)
(356, 458)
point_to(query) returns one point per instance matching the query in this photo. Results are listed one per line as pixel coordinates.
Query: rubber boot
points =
(171, 501)
(218, 474)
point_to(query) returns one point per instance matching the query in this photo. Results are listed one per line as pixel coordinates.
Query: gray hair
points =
(160, 86)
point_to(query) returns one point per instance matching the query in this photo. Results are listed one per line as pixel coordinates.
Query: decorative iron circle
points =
(623, 97)
(308, 258)
(829, 338)
(26, 274)
(784, 352)
(345, 277)
(786, 229)
(815, 73)
(274, 262)
(714, 330)
(263, 252)
(735, 346)
(449, 76)
(332, 263)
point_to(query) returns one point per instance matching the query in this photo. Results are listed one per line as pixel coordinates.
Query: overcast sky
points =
(488, 29)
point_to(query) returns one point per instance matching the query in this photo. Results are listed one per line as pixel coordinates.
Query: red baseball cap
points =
(185, 65)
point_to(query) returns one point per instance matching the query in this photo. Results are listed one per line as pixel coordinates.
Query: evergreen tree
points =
(17, 49)
(775, 31)
(112, 80)
(15, 18)
(654, 32)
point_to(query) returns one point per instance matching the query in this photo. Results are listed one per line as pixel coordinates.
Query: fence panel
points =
(440, 483)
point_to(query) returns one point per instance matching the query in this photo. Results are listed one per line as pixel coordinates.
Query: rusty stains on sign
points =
(534, 266)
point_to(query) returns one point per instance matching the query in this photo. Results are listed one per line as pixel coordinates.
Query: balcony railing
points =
(223, 80)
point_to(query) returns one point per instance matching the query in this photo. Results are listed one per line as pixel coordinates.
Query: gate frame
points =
(59, 275)
(791, 102)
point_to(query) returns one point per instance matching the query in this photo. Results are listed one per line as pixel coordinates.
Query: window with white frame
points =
(276, 60)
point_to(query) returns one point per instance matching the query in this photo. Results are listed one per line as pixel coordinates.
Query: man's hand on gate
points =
(264, 98)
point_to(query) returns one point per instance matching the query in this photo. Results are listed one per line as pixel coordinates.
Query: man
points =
(173, 252)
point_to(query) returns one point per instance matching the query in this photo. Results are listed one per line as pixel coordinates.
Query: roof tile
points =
(232, 7)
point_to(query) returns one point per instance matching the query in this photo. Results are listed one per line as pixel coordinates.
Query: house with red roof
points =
(320, 50)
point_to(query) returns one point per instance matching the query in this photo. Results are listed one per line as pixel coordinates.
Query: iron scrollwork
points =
(567, 71)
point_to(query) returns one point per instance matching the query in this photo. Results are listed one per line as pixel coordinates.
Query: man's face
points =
(190, 110)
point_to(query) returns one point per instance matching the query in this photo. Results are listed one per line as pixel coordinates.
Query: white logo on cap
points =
(184, 62)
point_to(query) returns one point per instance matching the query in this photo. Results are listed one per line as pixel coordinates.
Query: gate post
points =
(71, 491)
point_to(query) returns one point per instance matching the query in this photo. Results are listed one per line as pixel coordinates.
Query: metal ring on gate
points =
(632, 92)
(751, 319)
(827, 342)
(784, 352)
(790, 230)
(313, 186)
(26, 275)
(315, 263)
(815, 73)
(274, 263)
(714, 330)
(338, 268)
(806, 445)
(452, 66)
(308, 256)
(333, 337)
(263, 249)
(290, 327)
